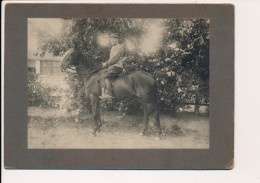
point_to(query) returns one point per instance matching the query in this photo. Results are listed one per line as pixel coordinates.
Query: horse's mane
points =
(85, 63)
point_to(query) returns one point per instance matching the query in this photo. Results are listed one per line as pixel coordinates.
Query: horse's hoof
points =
(163, 134)
(99, 124)
(94, 132)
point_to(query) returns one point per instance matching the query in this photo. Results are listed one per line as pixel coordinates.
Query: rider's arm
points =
(115, 54)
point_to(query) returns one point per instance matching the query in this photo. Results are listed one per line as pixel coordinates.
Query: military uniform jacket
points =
(116, 57)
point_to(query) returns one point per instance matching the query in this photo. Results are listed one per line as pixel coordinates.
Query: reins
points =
(93, 70)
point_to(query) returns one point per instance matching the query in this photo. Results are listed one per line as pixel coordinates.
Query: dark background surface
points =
(219, 156)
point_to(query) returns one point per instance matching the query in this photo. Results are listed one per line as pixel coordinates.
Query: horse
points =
(137, 83)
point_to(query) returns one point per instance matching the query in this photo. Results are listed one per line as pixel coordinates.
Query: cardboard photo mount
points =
(218, 156)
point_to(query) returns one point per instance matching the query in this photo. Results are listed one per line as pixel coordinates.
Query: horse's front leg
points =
(98, 109)
(95, 113)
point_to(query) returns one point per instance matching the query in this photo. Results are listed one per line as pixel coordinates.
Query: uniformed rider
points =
(114, 65)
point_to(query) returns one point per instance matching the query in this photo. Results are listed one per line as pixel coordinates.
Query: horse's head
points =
(75, 57)
(70, 59)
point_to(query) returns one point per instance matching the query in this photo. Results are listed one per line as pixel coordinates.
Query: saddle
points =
(105, 86)
(123, 73)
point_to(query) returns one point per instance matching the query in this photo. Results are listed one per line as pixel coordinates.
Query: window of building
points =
(50, 67)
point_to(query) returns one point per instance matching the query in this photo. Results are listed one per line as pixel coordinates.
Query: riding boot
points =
(102, 93)
(107, 92)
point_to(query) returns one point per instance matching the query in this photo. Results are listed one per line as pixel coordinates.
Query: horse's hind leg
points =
(157, 122)
(153, 110)
(146, 119)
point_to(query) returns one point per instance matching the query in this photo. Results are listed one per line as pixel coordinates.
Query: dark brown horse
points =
(138, 83)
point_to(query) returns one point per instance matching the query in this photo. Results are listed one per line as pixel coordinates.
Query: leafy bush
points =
(37, 94)
(48, 99)
(74, 98)
(34, 89)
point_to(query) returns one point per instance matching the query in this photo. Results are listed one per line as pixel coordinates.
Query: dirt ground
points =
(53, 129)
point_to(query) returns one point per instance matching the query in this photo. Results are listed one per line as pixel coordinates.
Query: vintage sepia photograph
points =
(119, 86)
(118, 83)
(143, 91)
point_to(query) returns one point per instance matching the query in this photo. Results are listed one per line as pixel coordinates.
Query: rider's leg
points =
(103, 91)
(108, 87)
(112, 72)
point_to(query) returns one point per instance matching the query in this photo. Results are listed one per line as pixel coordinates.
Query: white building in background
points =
(47, 67)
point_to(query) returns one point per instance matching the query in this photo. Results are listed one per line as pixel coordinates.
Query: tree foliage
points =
(84, 32)
(185, 51)
(180, 64)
